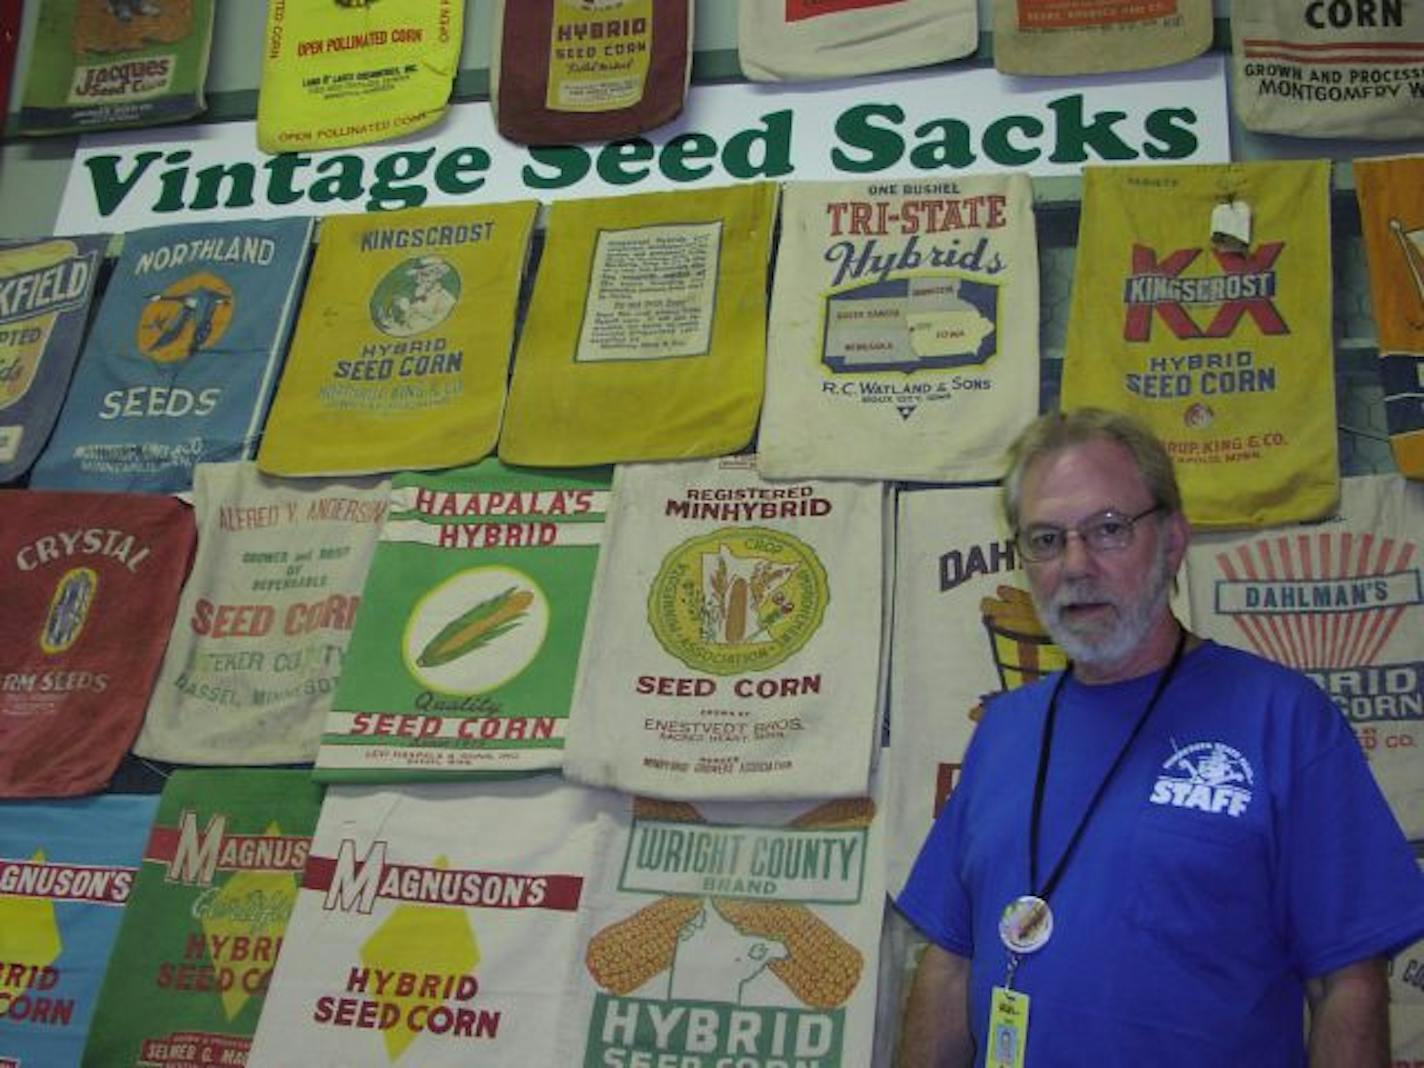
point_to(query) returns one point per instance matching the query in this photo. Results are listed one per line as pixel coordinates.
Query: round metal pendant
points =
(1026, 925)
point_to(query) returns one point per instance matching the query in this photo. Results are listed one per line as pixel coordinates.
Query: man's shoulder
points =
(1212, 661)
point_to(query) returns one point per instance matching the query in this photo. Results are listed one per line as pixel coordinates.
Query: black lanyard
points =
(1046, 746)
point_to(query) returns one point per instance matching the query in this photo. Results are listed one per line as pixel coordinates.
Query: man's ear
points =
(1178, 533)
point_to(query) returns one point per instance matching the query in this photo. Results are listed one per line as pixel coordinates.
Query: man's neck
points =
(1152, 654)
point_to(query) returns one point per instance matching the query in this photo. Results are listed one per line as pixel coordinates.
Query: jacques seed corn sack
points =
(1391, 193)
(66, 870)
(646, 334)
(401, 354)
(571, 70)
(463, 658)
(262, 628)
(733, 648)
(209, 911)
(807, 40)
(340, 73)
(1341, 68)
(1094, 36)
(1222, 344)
(184, 354)
(904, 330)
(50, 283)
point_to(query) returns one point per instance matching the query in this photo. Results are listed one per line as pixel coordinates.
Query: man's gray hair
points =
(1058, 430)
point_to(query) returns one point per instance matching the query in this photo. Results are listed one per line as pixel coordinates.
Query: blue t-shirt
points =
(1241, 848)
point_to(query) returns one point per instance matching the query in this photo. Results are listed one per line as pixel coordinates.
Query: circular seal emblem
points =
(416, 295)
(190, 315)
(738, 599)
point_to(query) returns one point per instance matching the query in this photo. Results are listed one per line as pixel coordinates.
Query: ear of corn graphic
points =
(477, 627)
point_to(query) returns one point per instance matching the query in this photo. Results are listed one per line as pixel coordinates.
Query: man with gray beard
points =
(1161, 855)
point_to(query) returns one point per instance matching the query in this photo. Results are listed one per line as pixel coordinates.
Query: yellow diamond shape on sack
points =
(29, 935)
(420, 939)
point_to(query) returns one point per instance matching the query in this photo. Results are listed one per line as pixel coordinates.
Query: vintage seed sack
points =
(66, 870)
(107, 63)
(201, 935)
(965, 632)
(1201, 303)
(1348, 68)
(90, 583)
(810, 40)
(439, 925)
(182, 359)
(1391, 195)
(45, 289)
(736, 933)
(646, 333)
(568, 70)
(338, 72)
(1094, 36)
(401, 353)
(733, 648)
(465, 648)
(1339, 600)
(262, 627)
(904, 330)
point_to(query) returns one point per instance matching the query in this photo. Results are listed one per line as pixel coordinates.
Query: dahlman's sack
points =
(1201, 302)
(1077, 37)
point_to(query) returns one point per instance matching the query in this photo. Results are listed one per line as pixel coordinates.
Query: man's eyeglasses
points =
(1103, 532)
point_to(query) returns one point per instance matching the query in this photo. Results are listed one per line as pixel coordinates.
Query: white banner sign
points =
(929, 124)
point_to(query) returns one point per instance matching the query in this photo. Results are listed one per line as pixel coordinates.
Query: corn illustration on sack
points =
(569, 70)
(1073, 37)
(734, 641)
(903, 341)
(1201, 302)
(265, 617)
(401, 354)
(808, 40)
(646, 334)
(1391, 194)
(462, 661)
(338, 73)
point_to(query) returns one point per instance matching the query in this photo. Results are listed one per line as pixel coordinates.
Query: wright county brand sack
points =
(904, 330)
(808, 40)
(1096, 36)
(575, 70)
(1201, 303)
(262, 628)
(733, 647)
(1348, 68)
(1391, 195)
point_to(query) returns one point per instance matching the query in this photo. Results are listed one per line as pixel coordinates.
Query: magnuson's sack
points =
(1339, 69)
(733, 648)
(1073, 37)
(569, 70)
(807, 40)
(904, 330)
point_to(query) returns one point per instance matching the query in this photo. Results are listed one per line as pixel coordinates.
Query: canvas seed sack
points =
(96, 64)
(182, 359)
(646, 334)
(808, 40)
(401, 354)
(1223, 346)
(67, 869)
(40, 331)
(567, 70)
(904, 330)
(733, 648)
(463, 658)
(206, 921)
(1092, 37)
(338, 73)
(89, 584)
(261, 632)
(1339, 69)
(1391, 195)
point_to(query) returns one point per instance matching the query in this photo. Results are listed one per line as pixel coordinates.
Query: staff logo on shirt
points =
(1206, 776)
(738, 599)
(188, 316)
